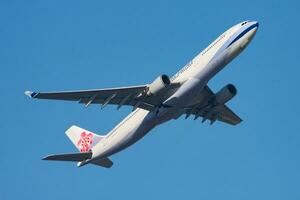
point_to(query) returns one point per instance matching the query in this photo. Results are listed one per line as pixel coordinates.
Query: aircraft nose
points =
(256, 25)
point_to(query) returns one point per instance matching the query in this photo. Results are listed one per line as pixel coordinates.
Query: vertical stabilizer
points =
(84, 140)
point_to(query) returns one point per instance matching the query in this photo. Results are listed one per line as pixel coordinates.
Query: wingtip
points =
(48, 157)
(45, 158)
(30, 94)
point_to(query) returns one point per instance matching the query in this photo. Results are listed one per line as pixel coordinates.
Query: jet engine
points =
(225, 94)
(159, 84)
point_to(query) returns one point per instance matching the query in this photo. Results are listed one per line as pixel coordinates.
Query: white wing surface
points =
(133, 96)
(208, 111)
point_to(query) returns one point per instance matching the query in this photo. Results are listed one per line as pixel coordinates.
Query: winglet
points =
(30, 94)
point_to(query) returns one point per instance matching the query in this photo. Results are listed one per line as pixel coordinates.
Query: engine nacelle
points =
(225, 94)
(158, 85)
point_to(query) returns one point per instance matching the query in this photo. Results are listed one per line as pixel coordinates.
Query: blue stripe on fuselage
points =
(243, 33)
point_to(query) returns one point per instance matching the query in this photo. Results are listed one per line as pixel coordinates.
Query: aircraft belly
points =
(215, 65)
(130, 130)
(185, 94)
(140, 122)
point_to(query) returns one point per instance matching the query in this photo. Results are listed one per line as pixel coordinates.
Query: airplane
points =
(186, 93)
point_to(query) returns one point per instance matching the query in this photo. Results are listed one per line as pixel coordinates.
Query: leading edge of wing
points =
(32, 94)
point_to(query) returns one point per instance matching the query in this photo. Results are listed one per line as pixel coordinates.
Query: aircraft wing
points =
(133, 96)
(212, 112)
(228, 116)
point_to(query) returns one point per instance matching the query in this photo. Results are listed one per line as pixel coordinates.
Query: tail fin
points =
(84, 140)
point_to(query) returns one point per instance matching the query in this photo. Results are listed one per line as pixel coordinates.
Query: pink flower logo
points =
(85, 142)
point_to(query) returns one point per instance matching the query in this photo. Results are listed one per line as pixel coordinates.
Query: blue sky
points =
(68, 45)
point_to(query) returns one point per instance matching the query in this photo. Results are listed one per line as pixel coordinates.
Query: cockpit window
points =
(244, 23)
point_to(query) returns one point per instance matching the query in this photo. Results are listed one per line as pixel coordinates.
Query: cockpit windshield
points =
(244, 23)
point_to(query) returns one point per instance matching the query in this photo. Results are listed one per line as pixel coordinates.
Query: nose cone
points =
(253, 28)
(255, 24)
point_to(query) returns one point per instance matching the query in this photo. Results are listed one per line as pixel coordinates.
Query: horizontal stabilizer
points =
(105, 162)
(70, 157)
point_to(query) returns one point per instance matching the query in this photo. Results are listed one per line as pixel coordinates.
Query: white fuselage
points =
(192, 78)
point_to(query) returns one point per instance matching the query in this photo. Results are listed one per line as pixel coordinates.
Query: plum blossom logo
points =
(85, 142)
